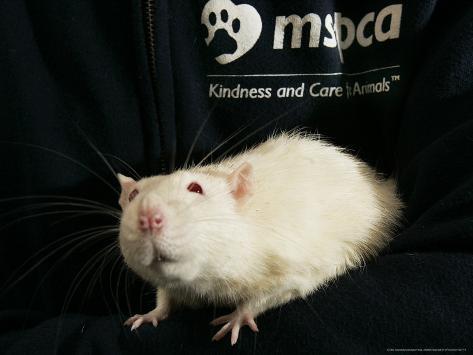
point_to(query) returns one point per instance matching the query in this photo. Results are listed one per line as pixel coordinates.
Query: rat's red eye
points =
(132, 195)
(195, 187)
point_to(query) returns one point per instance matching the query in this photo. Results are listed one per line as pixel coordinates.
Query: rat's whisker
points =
(96, 150)
(91, 234)
(83, 272)
(100, 212)
(241, 129)
(50, 270)
(134, 173)
(67, 157)
(228, 139)
(114, 295)
(121, 274)
(107, 258)
(81, 234)
(79, 215)
(45, 205)
(58, 197)
(256, 131)
(199, 132)
(127, 297)
(88, 267)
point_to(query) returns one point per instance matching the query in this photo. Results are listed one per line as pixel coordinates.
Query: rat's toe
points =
(152, 317)
(222, 332)
(234, 321)
(221, 320)
(250, 322)
(131, 320)
(137, 323)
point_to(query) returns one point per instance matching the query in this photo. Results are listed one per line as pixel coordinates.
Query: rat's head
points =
(179, 227)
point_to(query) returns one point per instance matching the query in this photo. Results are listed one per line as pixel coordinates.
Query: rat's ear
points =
(127, 184)
(241, 181)
(125, 181)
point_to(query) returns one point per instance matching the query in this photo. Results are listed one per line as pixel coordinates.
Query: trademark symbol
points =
(395, 77)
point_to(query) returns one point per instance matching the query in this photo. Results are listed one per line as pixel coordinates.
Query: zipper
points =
(149, 12)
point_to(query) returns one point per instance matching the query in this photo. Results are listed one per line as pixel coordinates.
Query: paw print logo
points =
(239, 24)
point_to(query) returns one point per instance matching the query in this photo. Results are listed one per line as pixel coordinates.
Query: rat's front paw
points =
(153, 317)
(233, 322)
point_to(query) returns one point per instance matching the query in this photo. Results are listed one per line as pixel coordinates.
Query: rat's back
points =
(313, 203)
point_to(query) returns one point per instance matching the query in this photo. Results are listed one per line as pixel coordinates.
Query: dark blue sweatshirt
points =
(144, 81)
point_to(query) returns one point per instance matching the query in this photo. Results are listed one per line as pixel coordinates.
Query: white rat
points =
(254, 231)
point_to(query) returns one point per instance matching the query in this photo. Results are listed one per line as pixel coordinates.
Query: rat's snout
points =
(150, 217)
(150, 220)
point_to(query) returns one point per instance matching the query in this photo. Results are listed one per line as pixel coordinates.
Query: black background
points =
(72, 73)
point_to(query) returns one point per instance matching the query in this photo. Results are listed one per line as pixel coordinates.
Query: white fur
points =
(312, 213)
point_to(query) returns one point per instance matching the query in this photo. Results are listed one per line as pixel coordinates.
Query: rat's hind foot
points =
(151, 317)
(233, 322)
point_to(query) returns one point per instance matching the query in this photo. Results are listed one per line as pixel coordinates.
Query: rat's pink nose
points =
(150, 220)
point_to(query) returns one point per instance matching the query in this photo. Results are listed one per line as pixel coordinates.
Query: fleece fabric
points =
(89, 88)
